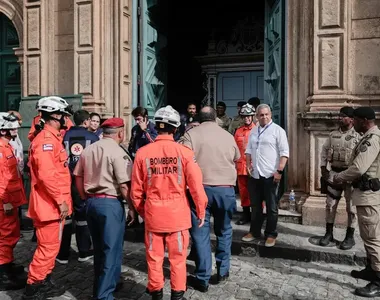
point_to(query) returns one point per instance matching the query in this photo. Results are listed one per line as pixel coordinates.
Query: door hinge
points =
(139, 47)
(139, 10)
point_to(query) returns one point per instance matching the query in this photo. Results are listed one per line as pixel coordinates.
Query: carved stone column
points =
(345, 73)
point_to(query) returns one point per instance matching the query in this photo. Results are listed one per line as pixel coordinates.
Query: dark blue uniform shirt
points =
(141, 138)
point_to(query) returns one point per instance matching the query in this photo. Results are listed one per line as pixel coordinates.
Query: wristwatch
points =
(280, 172)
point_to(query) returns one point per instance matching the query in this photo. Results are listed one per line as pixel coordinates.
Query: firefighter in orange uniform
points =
(247, 113)
(12, 196)
(37, 124)
(160, 174)
(50, 198)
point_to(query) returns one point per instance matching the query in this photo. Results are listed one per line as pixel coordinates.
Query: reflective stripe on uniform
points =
(150, 241)
(179, 170)
(81, 223)
(149, 171)
(179, 240)
(60, 231)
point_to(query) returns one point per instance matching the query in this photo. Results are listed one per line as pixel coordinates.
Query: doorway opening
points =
(10, 72)
(222, 51)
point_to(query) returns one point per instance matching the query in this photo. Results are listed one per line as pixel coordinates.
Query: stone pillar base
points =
(313, 212)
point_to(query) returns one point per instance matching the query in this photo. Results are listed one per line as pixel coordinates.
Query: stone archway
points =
(11, 58)
(13, 10)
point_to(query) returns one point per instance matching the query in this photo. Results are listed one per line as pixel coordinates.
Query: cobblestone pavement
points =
(250, 278)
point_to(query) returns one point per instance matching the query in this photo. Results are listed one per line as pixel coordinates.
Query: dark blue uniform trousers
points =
(106, 221)
(221, 205)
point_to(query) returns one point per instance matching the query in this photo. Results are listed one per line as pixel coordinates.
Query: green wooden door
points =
(274, 59)
(152, 74)
(10, 74)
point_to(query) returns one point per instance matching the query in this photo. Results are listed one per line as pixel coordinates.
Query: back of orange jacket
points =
(37, 119)
(11, 183)
(161, 172)
(50, 176)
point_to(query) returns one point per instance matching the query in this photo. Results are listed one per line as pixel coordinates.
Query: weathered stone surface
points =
(250, 278)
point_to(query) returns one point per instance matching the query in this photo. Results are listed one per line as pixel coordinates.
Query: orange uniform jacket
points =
(36, 120)
(11, 183)
(241, 138)
(50, 176)
(160, 174)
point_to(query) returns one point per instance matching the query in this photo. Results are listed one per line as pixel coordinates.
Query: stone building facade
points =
(332, 57)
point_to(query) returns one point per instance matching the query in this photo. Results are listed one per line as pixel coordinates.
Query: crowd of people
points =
(175, 174)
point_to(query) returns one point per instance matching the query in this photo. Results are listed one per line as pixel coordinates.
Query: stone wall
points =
(345, 72)
(79, 47)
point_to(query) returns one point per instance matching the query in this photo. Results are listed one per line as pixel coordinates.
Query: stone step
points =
(294, 242)
(298, 242)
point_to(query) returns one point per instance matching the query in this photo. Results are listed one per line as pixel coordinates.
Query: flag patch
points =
(47, 147)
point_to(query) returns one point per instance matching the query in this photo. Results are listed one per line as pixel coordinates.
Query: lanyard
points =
(261, 132)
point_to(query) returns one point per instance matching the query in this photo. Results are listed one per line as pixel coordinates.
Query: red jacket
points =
(160, 174)
(11, 183)
(50, 176)
(241, 138)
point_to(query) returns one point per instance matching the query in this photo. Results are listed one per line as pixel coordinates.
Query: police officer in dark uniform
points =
(76, 139)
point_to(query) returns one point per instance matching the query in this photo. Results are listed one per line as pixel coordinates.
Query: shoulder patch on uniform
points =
(76, 149)
(349, 137)
(47, 147)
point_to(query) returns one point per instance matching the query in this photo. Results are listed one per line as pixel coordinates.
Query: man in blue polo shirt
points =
(76, 139)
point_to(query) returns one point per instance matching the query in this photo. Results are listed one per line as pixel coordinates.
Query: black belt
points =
(338, 170)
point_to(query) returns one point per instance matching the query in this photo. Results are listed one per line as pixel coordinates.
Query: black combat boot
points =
(9, 281)
(246, 217)
(34, 292)
(366, 274)
(177, 295)
(372, 289)
(157, 295)
(349, 240)
(329, 237)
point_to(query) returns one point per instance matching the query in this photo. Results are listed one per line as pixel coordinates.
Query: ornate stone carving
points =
(246, 36)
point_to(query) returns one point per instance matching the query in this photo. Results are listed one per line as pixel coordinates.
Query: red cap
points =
(113, 123)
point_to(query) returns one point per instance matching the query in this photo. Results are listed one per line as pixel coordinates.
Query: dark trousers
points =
(221, 205)
(106, 220)
(82, 233)
(263, 189)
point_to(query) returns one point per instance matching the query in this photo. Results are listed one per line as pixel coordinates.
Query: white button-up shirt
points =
(266, 145)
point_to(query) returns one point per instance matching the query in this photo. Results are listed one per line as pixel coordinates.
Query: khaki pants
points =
(369, 226)
(332, 201)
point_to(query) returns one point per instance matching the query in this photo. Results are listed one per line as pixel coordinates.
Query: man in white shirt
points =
(267, 154)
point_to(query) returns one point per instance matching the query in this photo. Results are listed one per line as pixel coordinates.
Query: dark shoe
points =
(365, 274)
(329, 237)
(14, 269)
(223, 278)
(197, 285)
(8, 282)
(349, 240)
(48, 284)
(371, 290)
(246, 217)
(177, 295)
(86, 256)
(157, 295)
(34, 292)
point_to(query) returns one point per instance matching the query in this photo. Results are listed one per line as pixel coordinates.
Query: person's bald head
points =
(17, 115)
(207, 114)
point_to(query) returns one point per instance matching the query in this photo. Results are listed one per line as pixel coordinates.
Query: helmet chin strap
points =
(61, 121)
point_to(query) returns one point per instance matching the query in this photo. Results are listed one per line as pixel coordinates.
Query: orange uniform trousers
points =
(9, 235)
(176, 243)
(243, 190)
(48, 243)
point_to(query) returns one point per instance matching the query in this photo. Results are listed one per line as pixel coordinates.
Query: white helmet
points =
(54, 104)
(247, 110)
(167, 115)
(8, 121)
